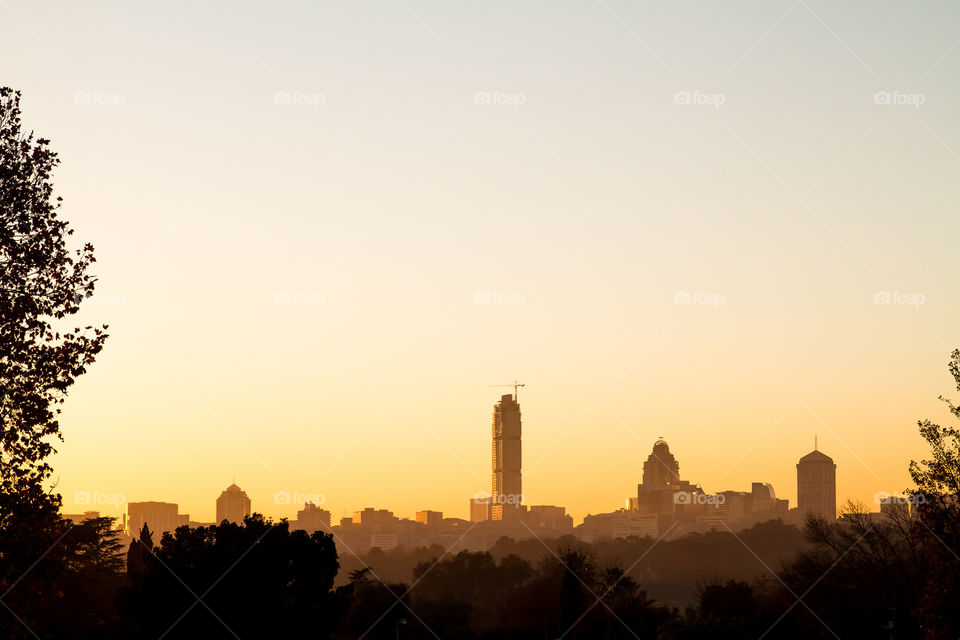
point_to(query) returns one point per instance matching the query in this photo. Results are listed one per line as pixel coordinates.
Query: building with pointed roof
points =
(817, 485)
(233, 505)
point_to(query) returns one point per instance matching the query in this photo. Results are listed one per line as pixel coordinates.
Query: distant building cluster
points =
(665, 505)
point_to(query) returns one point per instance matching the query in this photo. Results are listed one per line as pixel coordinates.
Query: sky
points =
(324, 230)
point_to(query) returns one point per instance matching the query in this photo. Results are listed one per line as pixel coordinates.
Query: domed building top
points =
(661, 469)
(233, 504)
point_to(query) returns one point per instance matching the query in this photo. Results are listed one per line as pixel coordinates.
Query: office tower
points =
(160, 517)
(233, 505)
(507, 493)
(662, 492)
(817, 485)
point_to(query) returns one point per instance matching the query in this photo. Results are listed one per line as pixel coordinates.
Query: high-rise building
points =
(817, 485)
(661, 470)
(663, 493)
(507, 492)
(233, 505)
(160, 517)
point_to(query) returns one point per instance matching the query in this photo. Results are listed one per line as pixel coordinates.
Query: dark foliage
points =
(255, 578)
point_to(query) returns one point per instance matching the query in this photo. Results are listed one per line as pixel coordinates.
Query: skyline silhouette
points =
(742, 275)
(657, 494)
(267, 269)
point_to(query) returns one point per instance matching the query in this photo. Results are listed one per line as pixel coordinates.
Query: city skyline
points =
(660, 481)
(268, 269)
(661, 230)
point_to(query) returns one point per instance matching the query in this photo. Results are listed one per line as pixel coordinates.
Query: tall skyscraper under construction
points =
(505, 503)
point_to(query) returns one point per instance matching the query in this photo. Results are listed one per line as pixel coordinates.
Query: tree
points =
(257, 578)
(95, 548)
(937, 499)
(42, 283)
(137, 552)
(82, 605)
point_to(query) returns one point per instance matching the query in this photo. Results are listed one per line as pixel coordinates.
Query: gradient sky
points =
(585, 196)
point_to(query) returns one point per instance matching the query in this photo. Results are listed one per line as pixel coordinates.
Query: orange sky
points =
(301, 215)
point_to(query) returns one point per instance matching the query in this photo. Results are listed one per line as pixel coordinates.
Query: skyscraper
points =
(507, 492)
(817, 485)
(233, 505)
(661, 486)
(661, 469)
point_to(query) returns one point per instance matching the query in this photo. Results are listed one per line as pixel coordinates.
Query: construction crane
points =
(515, 386)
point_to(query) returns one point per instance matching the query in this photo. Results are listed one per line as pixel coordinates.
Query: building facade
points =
(507, 493)
(233, 505)
(817, 485)
(160, 518)
(479, 509)
(429, 518)
(312, 518)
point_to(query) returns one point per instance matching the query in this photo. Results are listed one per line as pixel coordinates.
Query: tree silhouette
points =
(937, 499)
(257, 578)
(42, 282)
